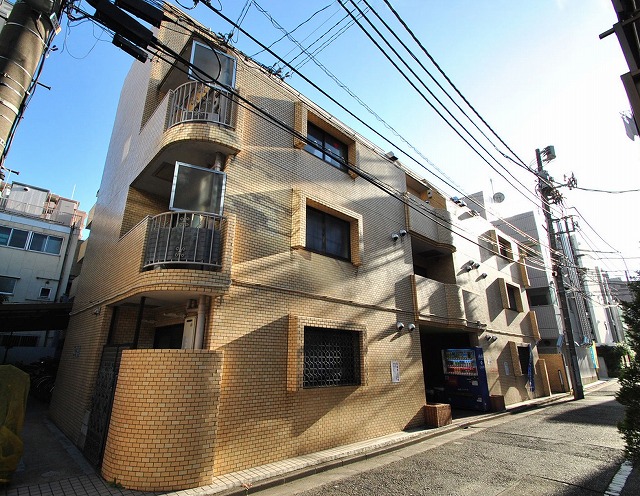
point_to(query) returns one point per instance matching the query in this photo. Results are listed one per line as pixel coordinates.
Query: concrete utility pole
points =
(549, 194)
(23, 41)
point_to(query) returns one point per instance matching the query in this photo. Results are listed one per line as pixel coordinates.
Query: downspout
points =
(202, 311)
(219, 161)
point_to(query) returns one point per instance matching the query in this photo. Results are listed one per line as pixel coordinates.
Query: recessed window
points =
(504, 248)
(524, 356)
(7, 284)
(511, 297)
(331, 357)
(328, 148)
(45, 293)
(328, 235)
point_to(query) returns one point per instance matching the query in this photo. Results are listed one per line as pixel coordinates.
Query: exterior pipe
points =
(202, 308)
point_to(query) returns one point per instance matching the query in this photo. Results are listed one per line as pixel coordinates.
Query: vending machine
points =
(465, 379)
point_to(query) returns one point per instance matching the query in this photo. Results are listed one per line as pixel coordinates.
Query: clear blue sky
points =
(536, 71)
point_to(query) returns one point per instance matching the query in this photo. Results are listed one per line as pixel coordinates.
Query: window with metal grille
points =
(331, 357)
(327, 234)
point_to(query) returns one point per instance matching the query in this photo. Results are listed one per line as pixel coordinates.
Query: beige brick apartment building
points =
(260, 298)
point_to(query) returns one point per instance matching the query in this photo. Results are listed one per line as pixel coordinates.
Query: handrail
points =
(199, 102)
(184, 238)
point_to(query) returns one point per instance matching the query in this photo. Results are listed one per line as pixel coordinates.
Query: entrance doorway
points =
(432, 342)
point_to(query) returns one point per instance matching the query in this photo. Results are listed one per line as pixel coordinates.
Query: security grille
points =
(331, 357)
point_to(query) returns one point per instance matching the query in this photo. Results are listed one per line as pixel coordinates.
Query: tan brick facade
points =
(246, 403)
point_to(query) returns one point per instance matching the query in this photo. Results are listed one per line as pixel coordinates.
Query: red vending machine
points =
(465, 379)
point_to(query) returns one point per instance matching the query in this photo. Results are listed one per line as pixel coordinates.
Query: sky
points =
(536, 72)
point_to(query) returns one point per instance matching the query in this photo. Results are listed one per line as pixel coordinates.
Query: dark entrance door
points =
(102, 402)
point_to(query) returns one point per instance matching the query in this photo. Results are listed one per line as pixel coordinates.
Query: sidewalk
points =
(53, 466)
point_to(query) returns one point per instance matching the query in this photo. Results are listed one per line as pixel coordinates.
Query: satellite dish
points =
(498, 197)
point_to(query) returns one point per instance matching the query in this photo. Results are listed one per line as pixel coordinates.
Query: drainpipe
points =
(202, 308)
(219, 161)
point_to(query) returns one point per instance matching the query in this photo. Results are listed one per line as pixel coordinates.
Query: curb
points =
(321, 467)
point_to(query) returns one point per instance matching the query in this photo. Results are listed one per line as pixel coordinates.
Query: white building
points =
(39, 235)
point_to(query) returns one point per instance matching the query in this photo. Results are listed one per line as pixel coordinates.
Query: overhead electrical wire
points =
(433, 61)
(332, 76)
(430, 103)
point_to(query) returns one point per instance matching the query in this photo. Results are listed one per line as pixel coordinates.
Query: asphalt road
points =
(569, 448)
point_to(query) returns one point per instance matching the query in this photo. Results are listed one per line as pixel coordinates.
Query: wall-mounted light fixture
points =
(412, 327)
(395, 236)
(483, 275)
(400, 234)
(399, 326)
(391, 156)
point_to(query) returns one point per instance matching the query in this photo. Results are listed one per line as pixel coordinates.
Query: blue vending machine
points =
(465, 379)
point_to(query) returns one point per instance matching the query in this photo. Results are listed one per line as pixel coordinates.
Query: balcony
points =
(199, 102)
(432, 224)
(183, 239)
(439, 303)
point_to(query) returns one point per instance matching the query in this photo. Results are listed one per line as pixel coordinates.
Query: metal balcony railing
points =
(46, 212)
(199, 102)
(184, 238)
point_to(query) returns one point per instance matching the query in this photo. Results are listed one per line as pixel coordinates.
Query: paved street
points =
(570, 448)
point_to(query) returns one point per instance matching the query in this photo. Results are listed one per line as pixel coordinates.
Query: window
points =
(504, 248)
(326, 147)
(213, 64)
(45, 293)
(47, 244)
(197, 189)
(53, 246)
(18, 238)
(511, 295)
(524, 356)
(7, 284)
(331, 357)
(5, 233)
(327, 234)
(538, 297)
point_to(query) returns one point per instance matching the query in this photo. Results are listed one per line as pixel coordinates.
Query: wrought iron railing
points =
(184, 238)
(195, 101)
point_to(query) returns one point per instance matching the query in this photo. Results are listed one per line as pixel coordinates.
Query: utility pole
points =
(23, 42)
(549, 194)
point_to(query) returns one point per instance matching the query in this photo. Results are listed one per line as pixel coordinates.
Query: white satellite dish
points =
(498, 197)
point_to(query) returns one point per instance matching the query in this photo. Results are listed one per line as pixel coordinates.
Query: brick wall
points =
(163, 421)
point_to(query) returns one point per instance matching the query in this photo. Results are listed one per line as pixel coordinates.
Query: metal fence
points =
(195, 101)
(184, 238)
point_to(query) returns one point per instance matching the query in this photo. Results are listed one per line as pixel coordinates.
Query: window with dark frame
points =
(331, 357)
(328, 235)
(326, 147)
(45, 293)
